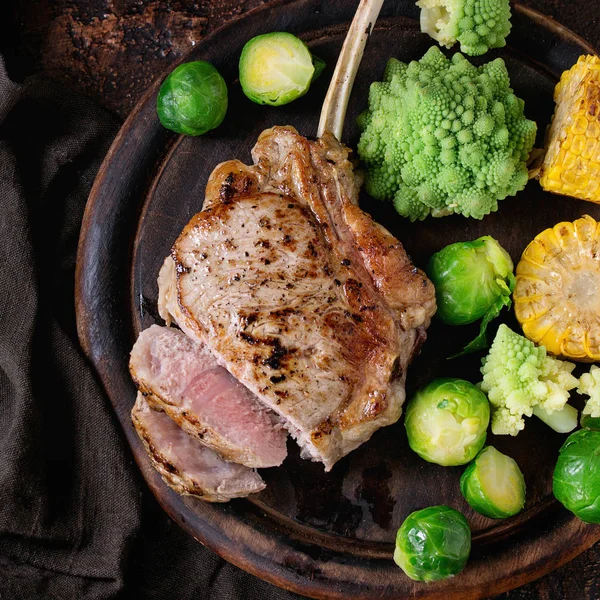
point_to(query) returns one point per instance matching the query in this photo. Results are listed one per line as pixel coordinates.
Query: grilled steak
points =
(299, 293)
(182, 378)
(185, 464)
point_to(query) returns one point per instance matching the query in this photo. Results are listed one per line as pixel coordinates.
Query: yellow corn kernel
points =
(572, 162)
(557, 293)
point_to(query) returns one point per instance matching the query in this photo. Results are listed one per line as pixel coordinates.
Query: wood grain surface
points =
(114, 49)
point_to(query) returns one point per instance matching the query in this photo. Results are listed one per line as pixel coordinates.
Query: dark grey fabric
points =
(68, 502)
(76, 521)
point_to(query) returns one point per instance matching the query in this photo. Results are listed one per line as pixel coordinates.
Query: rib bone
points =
(333, 112)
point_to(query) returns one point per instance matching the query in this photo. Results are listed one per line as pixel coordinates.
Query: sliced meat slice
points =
(182, 377)
(186, 464)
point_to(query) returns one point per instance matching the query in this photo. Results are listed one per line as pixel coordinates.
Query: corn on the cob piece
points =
(572, 162)
(557, 294)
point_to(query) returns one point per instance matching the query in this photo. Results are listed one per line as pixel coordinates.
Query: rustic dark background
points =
(113, 49)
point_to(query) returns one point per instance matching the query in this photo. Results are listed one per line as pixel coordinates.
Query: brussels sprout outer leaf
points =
(589, 422)
(433, 544)
(480, 342)
(192, 99)
(576, 479)
(493, 485)
(471, 279)
(277, 68)
(319, 66)
(446, 421)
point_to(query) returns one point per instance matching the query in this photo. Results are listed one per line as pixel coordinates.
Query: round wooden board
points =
(327, 535)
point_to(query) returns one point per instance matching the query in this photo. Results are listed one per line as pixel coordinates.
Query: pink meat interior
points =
(187, 375)
(193, 460)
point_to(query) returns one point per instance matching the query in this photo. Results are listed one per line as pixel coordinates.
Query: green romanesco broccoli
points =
(589, 384)
(477, 24)
(442, 136)
(518, 377)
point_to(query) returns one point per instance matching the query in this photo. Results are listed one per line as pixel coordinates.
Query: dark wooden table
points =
(113, 49)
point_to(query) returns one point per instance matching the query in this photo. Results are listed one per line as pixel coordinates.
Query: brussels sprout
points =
(576, 480)
(433, 543)
(589, 422)
(276, 68)
(473, 280)
(192, 99)
(493, 485)
(446, 421)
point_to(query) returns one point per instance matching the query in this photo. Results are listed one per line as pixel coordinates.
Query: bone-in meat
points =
(305, 299)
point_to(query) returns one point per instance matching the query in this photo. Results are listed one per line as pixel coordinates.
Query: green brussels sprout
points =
(576, 480)
(192, 99)
(433, 543)
(473, 280)
(589, 422)
(276, 68)
(493, 485)
(446, 421)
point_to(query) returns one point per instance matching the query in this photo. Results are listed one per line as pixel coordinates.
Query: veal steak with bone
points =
(306, 300)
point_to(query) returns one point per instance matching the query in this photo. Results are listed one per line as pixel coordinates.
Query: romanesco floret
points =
(442, 136)
(477, 24)
(589, 384)
(518, 376)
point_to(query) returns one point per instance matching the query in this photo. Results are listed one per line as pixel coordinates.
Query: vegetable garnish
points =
(433, 544)
(446, 422)
(589, 422)
(493, 485)
(557, 295)
(477, 24)
(589, 385)
(276, 68)
(473, 280)
(442, 136)
(576, 480)
(520, 380)
(192, 99)
(572, 162)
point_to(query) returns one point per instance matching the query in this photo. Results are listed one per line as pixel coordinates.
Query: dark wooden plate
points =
(326, 535)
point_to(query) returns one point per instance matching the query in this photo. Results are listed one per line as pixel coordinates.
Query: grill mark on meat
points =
(248, 320)
(278, 353)
(248, 338)
(233, 186)
(324, 428)
(277, 358)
